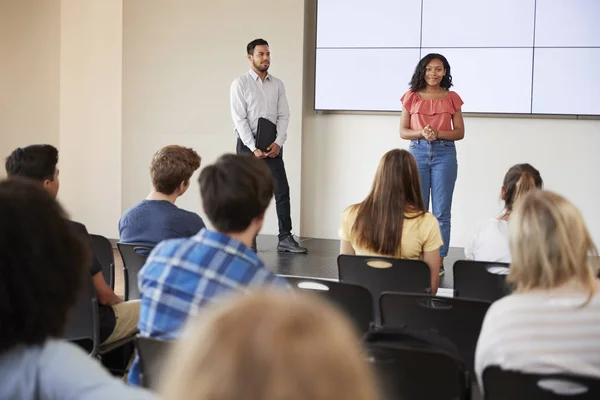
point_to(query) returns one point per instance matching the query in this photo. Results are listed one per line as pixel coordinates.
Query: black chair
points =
(354, 300)
(133, 261)
(103, 251)
(382, 274)
(501, 384)
(151, 353)
(459, 320)
(473, 280)
(405, 372)
(82, 326)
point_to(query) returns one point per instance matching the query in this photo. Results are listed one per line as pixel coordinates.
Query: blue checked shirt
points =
(183, 275)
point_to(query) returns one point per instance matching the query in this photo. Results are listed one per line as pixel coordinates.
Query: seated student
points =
(157, 218)
(550, 324)
(183, 275)
(118, 319)
(269, 346)
(42, 260)
(490, 239)
(392, 221)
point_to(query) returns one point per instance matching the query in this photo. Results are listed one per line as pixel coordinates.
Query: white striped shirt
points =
(541, 332)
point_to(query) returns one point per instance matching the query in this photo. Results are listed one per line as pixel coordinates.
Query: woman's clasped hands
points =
(429, 133)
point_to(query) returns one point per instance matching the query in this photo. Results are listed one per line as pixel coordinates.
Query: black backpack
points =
(417, 364)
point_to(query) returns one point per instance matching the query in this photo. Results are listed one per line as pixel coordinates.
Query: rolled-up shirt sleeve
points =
(283, 116)
(239, 114)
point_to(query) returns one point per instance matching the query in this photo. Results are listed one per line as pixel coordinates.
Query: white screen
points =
(373, 23)
(491, 80)
(559, 90)
(567, 23)
(363, 79)
(477, 23)
(514, 56)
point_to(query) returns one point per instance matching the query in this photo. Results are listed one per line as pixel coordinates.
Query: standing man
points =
(258, 94)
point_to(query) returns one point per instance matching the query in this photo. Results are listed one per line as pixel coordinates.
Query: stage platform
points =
(321, 260)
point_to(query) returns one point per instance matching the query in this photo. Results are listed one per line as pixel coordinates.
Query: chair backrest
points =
(459, 320)
(405, 371)
(152, 354)
(355, 301)
(103, 251)
(502, 384)
(480, 280)
(82, 324)
(133, 261)
(383, 274)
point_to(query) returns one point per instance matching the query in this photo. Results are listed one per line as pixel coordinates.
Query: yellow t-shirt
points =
(419, 235)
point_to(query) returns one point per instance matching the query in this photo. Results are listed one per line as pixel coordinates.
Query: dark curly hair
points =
(42, 264)
(418, 79)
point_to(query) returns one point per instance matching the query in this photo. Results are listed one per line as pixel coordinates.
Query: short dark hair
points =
(256, 42)
(235, 190)
(37, 161)
(418, 79)
(42, 264)
(172, 165)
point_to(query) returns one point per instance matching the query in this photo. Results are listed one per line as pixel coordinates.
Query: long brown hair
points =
(269, 346)
(520, 179)
(396, 190)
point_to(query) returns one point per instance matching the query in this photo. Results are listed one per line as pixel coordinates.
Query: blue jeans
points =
(438, 169)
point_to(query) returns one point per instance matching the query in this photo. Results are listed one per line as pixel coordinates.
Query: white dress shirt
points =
(251, 99)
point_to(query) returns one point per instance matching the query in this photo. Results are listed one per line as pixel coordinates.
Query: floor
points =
(321, 260)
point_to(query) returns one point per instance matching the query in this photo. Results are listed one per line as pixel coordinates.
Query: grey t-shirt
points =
(59, 370)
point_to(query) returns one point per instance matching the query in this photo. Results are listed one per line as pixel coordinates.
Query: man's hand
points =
(274, 150)
(258, 153)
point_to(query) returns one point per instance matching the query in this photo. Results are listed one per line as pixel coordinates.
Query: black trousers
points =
(281, 186)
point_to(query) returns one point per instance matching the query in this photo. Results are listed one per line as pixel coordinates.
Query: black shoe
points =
(289, 244)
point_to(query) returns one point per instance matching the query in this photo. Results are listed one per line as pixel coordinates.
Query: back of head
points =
(37, 162)
(171, 166)
(270, 346)
(235, 190)
(41, 263)
(396, 189)
(550, 244)
(520, 179)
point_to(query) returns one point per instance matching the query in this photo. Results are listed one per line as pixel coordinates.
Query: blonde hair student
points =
(269, 346)
(550, 323)
(392, 221)
(489, 242)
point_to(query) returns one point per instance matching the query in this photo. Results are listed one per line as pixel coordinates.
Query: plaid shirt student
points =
(183, 275)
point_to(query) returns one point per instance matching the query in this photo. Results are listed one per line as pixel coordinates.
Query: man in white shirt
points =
(258, 94)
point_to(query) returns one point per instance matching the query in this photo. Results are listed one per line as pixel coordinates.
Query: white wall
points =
(90, 112)
(29, 73)
(346, 149)
(179, 59)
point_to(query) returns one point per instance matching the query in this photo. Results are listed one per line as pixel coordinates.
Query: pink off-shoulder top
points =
(434, 112)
